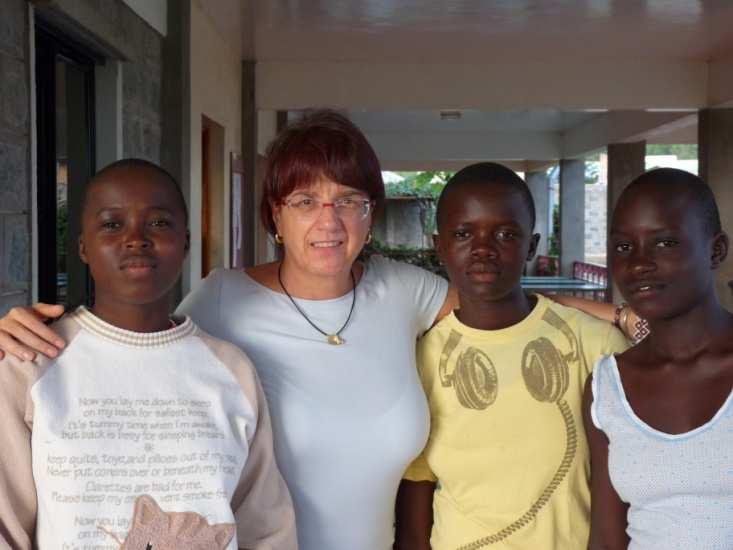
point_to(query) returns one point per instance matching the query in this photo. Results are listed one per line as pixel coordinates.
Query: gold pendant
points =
(335, 340)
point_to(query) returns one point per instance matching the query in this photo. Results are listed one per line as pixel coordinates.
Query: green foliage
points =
(683, 151)
(592, 171)
(554, 240)
(419, 184)
(425, 258)
(426, 187)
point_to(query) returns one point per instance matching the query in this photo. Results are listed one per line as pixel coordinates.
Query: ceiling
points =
(474, 30)
(539, 78)
(469, 120)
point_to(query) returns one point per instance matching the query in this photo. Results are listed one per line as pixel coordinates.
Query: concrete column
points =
(715, 152)
(268, 124)
(539, 184)
(625, 162)
(572, 214)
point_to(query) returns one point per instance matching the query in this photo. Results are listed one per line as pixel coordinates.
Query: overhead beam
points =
(622, 127)
(442, 165)
(687, 134)
(542, 148)
(464, 146)
(720, 88)
(627, 84)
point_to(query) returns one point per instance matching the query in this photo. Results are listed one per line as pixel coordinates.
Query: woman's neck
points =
(309, 286)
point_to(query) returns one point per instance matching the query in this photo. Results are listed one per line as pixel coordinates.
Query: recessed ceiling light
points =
(450, 115)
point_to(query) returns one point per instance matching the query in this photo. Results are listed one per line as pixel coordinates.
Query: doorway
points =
(213, 215)
(65, 163)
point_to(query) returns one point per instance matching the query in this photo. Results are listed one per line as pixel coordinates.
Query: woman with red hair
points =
(332, 338)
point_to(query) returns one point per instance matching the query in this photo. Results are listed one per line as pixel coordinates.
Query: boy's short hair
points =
(698, 191)
(137, 163)
(488, 172)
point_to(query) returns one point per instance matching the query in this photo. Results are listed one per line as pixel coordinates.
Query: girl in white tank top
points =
(659, 417)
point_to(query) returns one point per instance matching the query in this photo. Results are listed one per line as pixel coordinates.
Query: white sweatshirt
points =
(177, 415)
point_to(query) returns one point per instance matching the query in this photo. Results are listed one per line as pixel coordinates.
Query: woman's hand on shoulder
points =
(23, 332)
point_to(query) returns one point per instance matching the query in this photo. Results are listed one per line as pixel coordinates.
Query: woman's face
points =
(323, 240)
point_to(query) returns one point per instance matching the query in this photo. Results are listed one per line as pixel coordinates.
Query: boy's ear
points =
(719, 249)
(82, 251)
(436, 245)
(533, 243)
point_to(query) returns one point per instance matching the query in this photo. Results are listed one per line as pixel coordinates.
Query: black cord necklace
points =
(335, 338)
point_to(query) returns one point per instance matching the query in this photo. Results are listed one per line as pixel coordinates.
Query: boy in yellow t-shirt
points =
(506, 464)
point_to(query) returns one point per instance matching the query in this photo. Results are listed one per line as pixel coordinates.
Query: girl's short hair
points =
(321, 143)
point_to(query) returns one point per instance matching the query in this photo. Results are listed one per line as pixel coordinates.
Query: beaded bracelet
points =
(621, 315)
(640, 326)
(641, 330)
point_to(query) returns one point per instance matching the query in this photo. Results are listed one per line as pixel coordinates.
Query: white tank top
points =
(679, 486)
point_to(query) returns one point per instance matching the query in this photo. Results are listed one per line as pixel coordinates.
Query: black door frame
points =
(52, 45)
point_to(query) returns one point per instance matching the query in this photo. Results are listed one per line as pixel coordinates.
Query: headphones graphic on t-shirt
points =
(546, 374)
(545, 369)
(474, 377)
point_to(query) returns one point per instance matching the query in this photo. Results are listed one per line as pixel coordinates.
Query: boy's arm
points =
(18, 503)
(608, 512)
(601, 310)
(262, 506)
(414, 515)
(605, 311)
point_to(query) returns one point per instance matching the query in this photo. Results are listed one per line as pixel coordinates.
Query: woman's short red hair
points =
(322, 143)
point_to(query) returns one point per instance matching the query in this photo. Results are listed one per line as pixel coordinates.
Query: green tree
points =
(683, 151)
(426, 187)
(554, 240)
(419, 184)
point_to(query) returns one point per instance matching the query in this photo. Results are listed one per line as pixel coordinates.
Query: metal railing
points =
(593, 273)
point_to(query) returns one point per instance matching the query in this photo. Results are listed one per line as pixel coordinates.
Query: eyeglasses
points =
(346, 208)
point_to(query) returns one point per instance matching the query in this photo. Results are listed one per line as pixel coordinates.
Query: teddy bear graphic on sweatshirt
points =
(154, 529)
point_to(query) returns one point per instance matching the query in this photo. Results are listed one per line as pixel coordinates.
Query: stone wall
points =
(142, 78)
(15, 192)
(117, 28)
(403, 223)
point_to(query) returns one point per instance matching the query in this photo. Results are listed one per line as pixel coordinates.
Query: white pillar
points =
(572, 214)
(539, 184)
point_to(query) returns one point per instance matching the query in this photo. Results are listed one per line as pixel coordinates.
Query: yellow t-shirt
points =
(507, 446)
